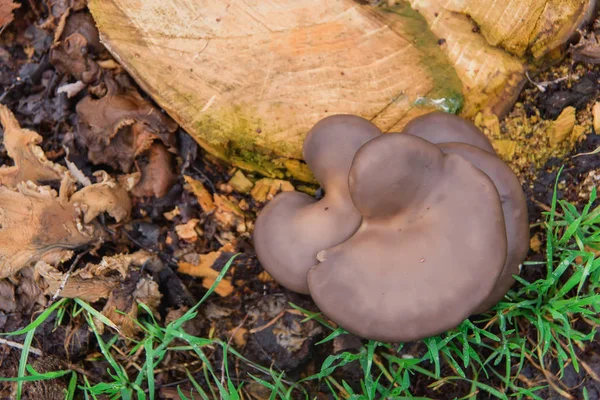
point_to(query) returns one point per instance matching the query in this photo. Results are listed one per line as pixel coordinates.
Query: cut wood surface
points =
(248, 79)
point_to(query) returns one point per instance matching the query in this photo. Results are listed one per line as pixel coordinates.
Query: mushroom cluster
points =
(416, 232)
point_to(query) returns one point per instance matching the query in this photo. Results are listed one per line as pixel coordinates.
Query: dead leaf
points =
(157, 174)
(228, 214)
(71, 56)
(34, 225)
(204, 270)
(105, 196)
(30, 162)
(116, 278)
(188, 231)
(94, 281)
(8, 302)
(82, 284)
(266, 188)
(240, 183)
(563, 126)
(36, 222)
(587, 49)
(204, 197)
(122, 305)
(6, 12)
(121, 125)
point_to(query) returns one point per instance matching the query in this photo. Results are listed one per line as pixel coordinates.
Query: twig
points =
(237, 328)
(541, 86)
(67, 276)
(275, 319)
(16, 345)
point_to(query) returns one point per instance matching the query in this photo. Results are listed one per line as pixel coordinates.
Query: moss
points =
(446, 94)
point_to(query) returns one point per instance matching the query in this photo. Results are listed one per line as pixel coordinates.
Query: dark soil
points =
(28, 86)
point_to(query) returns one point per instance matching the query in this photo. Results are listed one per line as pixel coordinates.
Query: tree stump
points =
(248, 79)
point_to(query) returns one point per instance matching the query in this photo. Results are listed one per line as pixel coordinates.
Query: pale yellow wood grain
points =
(254, 76)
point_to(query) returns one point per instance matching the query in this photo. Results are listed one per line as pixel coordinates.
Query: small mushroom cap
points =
(440, 127)
(514, 207)
(428, 252)
(294, 227)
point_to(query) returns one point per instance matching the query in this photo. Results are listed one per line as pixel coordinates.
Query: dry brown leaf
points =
(122, 305)
(188, 231)
(71, 56)
(563, 126)
(36, 222)
(34, 225)
(87, 288)
(204, 197)
(228, 214)
(157, 175)
(94, 281)
(105, 196)
(204, 270)
(121, 125)
(6, 11)
(240, 183)
(30, 161)
(116, 278)
(266, 188)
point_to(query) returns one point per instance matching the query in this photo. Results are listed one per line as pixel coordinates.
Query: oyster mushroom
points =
(440, 127)
(514, 208)
(294, 227)
(430, 248)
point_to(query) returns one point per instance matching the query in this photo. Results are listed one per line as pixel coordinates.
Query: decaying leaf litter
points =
(157, 226)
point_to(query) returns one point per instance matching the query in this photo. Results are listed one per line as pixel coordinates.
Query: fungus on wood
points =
(441, 232)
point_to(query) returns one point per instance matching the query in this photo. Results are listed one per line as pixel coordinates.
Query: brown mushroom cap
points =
(294, 227)
(428, 252)
(440, 127)
(514, 207)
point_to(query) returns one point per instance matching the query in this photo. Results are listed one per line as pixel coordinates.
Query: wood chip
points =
(228, 214)
(506, 148)
(535, 243)
(170, 215)
(266, 188)
(563, 126)
(203, 195)
(265, 277)
(189, 230)
(204, 270)
(490, 122)
(240, 183)
(239, 336)
(596, 115)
